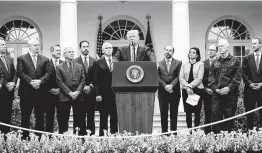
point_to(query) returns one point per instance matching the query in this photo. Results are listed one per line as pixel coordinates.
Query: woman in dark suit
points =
(190, 77)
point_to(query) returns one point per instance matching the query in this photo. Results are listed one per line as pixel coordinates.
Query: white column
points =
(180, 33)
(68, 24)
(180, 29)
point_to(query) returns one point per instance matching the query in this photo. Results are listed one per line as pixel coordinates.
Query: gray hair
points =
(67, 49)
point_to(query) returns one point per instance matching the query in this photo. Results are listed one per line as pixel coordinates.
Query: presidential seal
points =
(135, 73)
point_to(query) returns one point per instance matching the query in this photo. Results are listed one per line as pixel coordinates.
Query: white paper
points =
(193, 99)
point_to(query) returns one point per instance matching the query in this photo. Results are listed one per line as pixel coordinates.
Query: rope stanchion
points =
(136, 136)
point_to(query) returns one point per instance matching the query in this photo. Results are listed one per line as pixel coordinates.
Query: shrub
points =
(224, 142)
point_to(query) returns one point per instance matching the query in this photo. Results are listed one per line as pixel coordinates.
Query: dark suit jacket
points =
(8, 75)
(52, 80)
(103, 79)
(143, 54)
(249, 71)
(27, 72)
(70, 82)
(206, 72)
(172, 77)
(1, 77)
(89, 75)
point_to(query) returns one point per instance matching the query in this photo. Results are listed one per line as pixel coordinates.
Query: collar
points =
(191, 63)
(32, 54)
(2, 55)
(212, 59)
(83, 57)
(108, 58)
(168, 60)
(258, 52)
(227, 58)
(54, 59)
(136, 46)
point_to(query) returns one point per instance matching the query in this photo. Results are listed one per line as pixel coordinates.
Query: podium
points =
(135, 84)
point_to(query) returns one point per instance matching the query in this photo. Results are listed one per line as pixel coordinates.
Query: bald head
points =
(223, 42)
(212, 50)
(34, 46)
(69, 53)
(223, 47)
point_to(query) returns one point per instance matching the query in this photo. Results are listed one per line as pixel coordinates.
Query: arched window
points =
(115, 31)
(236, 32)
(16, 32)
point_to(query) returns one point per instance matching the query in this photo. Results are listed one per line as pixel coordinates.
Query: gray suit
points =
(69, 82)
(165, 98)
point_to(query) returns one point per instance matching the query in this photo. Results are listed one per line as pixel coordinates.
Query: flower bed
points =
(236, 142)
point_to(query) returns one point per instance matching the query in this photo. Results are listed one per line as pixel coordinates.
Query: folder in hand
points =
(193, 99)
(223, 82)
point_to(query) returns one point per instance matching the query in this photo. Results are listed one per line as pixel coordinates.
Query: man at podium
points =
(134, 52)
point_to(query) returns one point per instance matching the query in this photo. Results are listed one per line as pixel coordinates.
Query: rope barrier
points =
(136, 136)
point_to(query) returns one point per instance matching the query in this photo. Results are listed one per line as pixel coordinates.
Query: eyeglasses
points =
(212, 50)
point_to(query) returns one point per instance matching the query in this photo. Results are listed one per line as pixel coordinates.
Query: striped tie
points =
(4, 61)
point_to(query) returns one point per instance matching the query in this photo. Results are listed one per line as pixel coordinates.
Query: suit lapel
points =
(52, 64)
(253, 63)
(260, 65)
(3, 65)
(138, 53)
(74, 69)
(164, 65)
(173, 62)
(128, 53)
(8, 62)
(67, 70)
(106, 65)
(30, 60)
(208, 64)
(80, 60)
(39, 58)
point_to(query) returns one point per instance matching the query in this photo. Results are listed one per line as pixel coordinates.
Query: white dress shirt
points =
(131, 51)
(32, 57)
(108, 62)
(83, 58)
(259, 56)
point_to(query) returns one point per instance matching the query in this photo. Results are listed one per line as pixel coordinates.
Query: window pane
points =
(114, 51)
(243, 48)
(109, 30)
(114, 25)
(129, 25)
(229, 29)
(237, 51)
(119, 31)
(19, 30)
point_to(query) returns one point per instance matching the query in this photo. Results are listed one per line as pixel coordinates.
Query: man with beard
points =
(33, 72)
(169, 88)
(252, 76)
(224, 79)
(53, 90)
(89, 91)
(70, 78)
(7, 84)
(207, 96)
(105, 95)
(134, 52)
